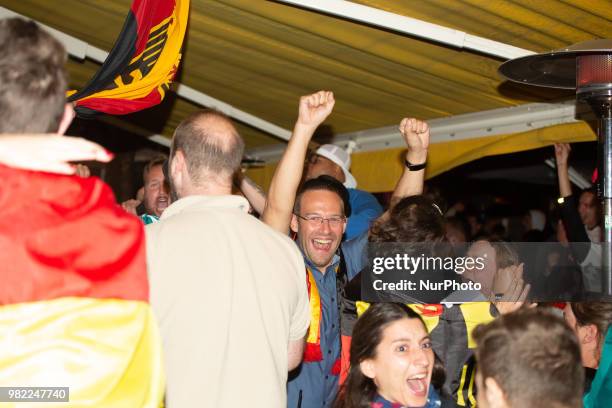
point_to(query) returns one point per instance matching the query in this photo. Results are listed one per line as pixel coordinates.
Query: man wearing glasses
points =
(318, 217)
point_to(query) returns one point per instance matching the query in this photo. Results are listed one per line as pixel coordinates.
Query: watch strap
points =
(415, 167)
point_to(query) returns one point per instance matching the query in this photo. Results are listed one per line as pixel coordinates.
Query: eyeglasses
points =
(335, 221)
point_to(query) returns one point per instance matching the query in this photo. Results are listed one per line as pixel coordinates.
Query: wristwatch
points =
(415, 167)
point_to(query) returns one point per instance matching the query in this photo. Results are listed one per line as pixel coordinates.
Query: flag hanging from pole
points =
(142, 63)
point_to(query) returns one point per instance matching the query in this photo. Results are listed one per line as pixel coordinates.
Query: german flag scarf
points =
(312, 350)
(74, 306)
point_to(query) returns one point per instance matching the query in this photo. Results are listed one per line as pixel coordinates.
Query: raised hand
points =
(514, 299)
(509, 282)
(416, 135)
(315, 108)
(562, 151)
(131, 205)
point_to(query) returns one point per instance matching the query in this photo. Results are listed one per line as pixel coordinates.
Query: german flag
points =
(138, 70)
(74, 308)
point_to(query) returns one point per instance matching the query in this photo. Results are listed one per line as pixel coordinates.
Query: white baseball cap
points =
(339, 156)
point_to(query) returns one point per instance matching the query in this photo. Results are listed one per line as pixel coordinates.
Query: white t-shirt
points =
(591, 264)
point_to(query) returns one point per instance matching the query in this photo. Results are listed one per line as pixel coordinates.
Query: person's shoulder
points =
(355, 253)
(363, 198)
(355, 192)
(358, 242)
(265, 230)
(262, 237)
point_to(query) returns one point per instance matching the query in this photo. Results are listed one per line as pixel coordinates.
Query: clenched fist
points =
(416, 135)
(315, 108)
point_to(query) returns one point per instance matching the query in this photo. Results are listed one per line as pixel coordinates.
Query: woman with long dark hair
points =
(392, 361)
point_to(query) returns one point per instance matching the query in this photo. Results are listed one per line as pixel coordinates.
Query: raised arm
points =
(253, 193)
(416, 135)
(573, 226)
(562, 151)
(313, 110)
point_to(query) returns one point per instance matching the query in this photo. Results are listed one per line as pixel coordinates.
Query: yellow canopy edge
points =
(378, 171)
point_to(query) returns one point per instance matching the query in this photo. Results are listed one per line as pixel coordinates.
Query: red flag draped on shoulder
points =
(142, 63)
(74, 308)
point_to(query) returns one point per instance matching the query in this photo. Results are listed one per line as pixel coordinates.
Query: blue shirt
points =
(365, 208)
(433, 401)
(356, 254)
(315, 380)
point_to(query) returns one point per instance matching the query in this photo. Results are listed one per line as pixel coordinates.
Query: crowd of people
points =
(198, 302)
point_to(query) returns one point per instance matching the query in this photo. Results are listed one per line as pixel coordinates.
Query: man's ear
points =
(177, 163)
(178, 170)
(494, 394)
(590, 333)
(294, 223)
(67, 118)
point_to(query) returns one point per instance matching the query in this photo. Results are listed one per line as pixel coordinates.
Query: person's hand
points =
(515, 299)
(515, 290)
(562, 151)
(315, 108)
(49, 153)
(131, 205)
(416, 135)
(82, 170)
(504, 277)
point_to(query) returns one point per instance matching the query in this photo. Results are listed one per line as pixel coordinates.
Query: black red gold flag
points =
(74, 298)
(142, 63)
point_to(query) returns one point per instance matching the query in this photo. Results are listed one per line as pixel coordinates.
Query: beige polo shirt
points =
(229, 294)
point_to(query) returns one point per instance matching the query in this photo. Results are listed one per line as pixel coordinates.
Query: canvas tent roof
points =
(258, 57)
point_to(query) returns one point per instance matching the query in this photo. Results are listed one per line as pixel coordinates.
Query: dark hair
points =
(358, 391)
(159, 160)
(598, 314)
(591, 190)
(596, 202)
(533, 356)
(206, 150)
(412, 219)
(324, 183)
(32, 78)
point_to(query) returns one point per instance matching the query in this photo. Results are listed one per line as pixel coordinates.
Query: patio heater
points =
(587, 68)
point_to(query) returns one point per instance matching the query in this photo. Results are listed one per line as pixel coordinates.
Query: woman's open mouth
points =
(418, 385)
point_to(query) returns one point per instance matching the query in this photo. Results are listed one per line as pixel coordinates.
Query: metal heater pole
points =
(605, 137)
